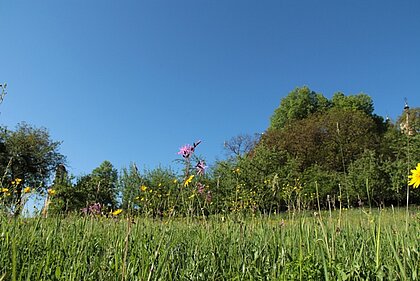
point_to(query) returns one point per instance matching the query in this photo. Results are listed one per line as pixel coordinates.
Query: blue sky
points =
(132, 81)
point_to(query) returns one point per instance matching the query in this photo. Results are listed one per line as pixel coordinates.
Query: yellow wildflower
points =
(175, 181)
(51, 192)
(18, 180)
(159, 185)
(4, 190)
(143, 188)
(188, 181)
(27, 189)
(415, 177)
(117, 212)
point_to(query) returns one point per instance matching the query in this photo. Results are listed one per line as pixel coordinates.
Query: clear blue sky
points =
(132, 81)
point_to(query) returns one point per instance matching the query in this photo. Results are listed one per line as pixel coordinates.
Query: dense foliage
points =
(316, 153)
(28, 158)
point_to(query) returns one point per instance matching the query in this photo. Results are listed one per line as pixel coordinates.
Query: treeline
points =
(316, 151)
(333, 150)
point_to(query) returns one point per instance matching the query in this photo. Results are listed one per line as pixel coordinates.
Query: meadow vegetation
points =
(328, 192)
(351, 245)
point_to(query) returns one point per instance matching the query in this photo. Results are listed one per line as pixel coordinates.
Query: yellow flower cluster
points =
(5, 192)
(17, 181)
(51, 192)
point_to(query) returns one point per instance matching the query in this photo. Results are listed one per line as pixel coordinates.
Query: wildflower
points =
(175, 181)
(160, 184)
(209, 196)
(95, 209)
(117, 212)
(200, 167)
(282, 223)
(143, 188)
(188, 181)
(27, 189)
(186, 151)
(4, 190)
(200, 188)
(18, 180)
(415, 177)
(51, 192)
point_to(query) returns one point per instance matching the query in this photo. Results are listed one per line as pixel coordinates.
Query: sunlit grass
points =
(360, 245)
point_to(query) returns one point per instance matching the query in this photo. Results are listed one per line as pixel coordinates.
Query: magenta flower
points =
(200, 167)
(186, 151)
(200, 188)
(94, 209)
(209, 196)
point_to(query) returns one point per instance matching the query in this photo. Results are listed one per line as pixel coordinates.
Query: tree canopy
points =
(30, 155)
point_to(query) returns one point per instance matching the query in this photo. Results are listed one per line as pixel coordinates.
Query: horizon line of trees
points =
(336, 151)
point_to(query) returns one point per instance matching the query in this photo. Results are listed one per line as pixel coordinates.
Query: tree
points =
(105, 180)
(241, 144)
(28, 154)
(360, 102)
(332, 139)
(98, 187)
(297, 105)
(130, 182)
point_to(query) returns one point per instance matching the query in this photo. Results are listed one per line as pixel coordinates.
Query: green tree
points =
(98, 187)
(104, 180)
(360, 102)
(297, 105)
(130, 182)
(332, 139)
(28, 154)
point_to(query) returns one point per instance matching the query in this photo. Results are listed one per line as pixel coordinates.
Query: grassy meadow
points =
(343, 245)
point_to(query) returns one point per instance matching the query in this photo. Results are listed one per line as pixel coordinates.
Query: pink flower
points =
(186, 151)
(209, 196)
(200, 167)
(200, 188)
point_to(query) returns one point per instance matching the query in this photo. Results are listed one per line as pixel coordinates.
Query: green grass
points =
(358, 246)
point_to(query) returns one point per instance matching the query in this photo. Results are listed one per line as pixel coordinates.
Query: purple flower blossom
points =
(186, 151)
(200, 188)
(94, 209)
(200, 167)
(208, 196)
